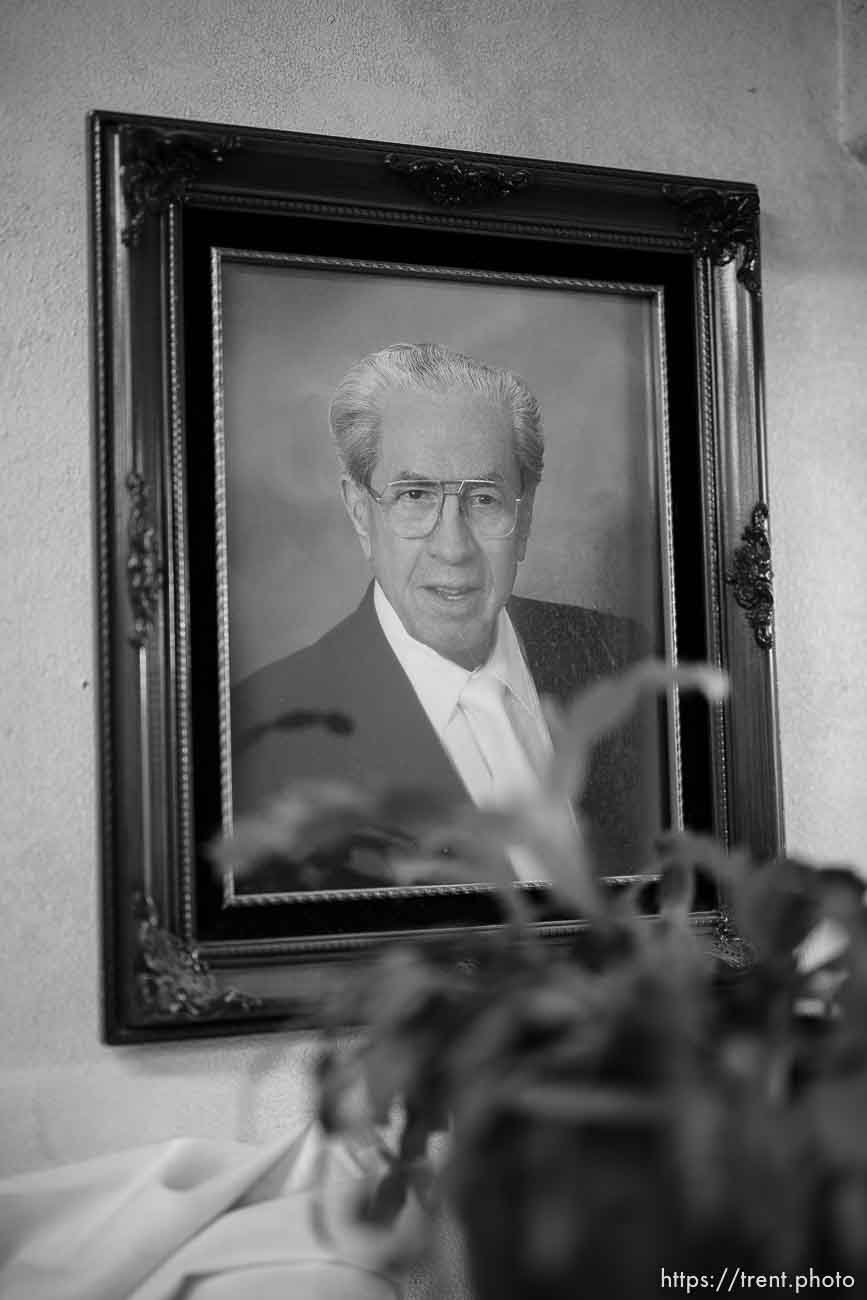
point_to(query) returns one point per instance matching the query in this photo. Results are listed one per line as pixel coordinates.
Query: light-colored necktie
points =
(484, 703)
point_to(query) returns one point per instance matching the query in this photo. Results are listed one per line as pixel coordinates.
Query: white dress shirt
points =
(489, 721)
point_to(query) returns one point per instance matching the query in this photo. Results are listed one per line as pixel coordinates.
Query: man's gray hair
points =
(357, 404)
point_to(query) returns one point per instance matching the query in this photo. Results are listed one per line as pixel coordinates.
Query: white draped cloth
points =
(188, 1220)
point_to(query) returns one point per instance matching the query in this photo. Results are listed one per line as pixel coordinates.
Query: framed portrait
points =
(238, 277)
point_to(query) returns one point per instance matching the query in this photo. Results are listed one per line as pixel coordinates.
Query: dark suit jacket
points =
(353, 672)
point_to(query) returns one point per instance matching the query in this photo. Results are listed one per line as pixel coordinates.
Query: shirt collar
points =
(439, 681)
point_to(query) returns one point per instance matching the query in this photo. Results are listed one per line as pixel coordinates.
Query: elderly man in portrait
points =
(440, 670)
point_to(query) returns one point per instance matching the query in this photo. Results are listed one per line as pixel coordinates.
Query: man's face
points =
(449, 587)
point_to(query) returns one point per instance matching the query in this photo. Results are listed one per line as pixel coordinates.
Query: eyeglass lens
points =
(413, 506)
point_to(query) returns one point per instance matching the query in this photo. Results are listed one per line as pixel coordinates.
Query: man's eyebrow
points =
(492, 476)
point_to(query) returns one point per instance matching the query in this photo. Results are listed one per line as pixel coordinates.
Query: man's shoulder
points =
(300, 679)
(568, 646)
(545, 617)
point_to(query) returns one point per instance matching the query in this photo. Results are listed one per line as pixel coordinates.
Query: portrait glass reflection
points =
(443, 500)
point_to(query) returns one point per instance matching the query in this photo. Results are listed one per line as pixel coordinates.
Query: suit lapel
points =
(387, 710)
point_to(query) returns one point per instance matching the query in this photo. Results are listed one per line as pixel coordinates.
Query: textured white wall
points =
(853, 76)
(734, 89)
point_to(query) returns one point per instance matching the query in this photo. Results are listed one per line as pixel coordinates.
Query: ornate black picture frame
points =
(173, 202)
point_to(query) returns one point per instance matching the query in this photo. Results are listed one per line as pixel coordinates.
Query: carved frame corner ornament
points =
(722, 224)
(159, 167)
(144, 571)
(172, 979)
(451, 183)
(751, 576)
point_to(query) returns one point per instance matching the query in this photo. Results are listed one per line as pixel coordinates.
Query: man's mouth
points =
(453, 593)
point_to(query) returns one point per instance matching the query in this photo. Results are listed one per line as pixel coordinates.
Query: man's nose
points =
(452, 540)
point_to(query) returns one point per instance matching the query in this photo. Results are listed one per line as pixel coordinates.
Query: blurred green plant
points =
(619, 1104)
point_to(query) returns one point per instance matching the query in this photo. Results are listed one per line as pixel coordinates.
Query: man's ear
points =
(357, 501)
(525, 521)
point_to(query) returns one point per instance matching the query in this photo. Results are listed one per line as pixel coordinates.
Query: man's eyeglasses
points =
(413, 506)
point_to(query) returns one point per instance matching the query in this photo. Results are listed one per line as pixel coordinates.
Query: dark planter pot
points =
(553, 1211)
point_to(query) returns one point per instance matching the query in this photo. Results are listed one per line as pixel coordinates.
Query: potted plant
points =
(624, 1112)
